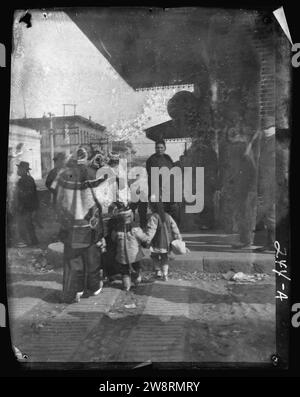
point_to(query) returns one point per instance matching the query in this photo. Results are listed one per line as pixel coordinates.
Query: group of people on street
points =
(160, 231)
(98, 246)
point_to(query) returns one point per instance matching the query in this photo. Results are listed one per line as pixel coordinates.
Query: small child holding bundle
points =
(161, 231)
(128, 240)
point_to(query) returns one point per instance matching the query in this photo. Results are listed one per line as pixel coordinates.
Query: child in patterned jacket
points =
(128, 240)
(161, 231)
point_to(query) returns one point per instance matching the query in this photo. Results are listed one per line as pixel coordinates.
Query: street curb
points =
(209, 263)
(201, 261)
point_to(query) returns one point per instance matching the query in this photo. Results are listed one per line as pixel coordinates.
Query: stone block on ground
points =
(54, 254)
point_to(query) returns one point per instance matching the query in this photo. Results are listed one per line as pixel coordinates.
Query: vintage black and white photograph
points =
(148, 168)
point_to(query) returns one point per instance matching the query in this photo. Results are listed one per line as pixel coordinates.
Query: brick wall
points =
(274, 52)
(261, 33)
(264, 42)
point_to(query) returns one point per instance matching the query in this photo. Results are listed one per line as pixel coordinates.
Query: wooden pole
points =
(51, 141)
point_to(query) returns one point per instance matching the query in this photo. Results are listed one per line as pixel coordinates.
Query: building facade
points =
(64, 134)
(24, 144)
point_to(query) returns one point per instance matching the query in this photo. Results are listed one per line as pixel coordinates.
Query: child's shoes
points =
(78, 296)
(126, 283)
(138, 279)
(97, 292)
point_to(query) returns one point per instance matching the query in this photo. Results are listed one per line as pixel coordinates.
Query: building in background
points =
(158, 124)
(24, 145)
(64, 134)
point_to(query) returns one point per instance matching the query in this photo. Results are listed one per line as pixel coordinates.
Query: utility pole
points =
(24, 104)
(67, 139)
(51, 136)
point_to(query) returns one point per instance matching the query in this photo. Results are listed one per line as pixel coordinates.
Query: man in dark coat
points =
(26, 203)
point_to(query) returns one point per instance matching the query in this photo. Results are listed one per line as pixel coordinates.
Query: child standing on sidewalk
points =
(128, 241)
(161, 230)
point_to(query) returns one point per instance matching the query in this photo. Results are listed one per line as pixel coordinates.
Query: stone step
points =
(219, 262)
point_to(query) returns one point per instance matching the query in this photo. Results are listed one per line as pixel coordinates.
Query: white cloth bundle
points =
(178, 247)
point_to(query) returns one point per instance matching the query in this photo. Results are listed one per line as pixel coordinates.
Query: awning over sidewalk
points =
(167, 131)
(148, 48)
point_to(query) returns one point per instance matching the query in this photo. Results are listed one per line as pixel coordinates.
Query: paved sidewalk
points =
(188, 321)
(202, 318)
(160, 333)
(184, 321)
(212, 252)
(56, 337)
(178, 321)
(26, 295)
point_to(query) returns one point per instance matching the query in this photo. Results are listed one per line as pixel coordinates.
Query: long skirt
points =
(25, 229)
(82, 271)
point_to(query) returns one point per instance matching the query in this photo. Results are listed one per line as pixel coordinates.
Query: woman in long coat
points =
(81, 230)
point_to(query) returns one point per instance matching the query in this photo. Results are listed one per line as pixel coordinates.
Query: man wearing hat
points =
(26, 203)
(59, 162)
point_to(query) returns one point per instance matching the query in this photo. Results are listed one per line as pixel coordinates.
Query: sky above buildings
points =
(54, 63)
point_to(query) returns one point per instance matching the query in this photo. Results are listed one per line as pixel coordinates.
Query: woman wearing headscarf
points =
(96, 162)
